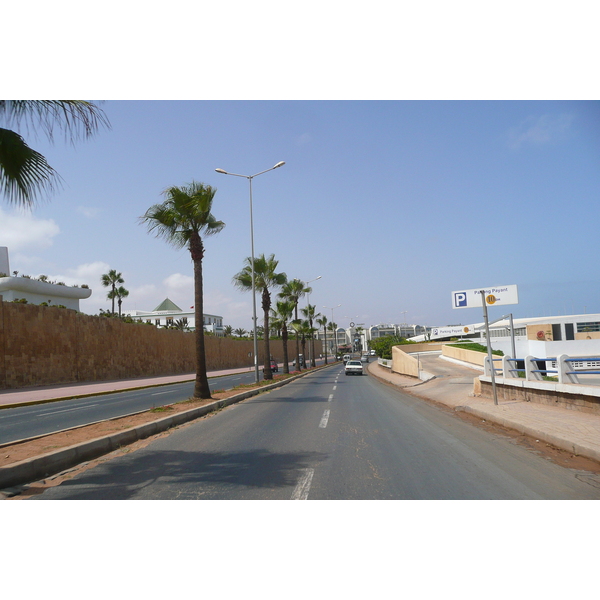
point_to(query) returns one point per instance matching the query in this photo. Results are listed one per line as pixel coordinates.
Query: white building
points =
(167, 314)
(36, 291)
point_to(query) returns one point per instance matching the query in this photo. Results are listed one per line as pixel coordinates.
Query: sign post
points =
(494, 296)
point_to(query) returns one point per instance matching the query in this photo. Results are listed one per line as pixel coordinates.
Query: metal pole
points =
(489, 346)
(256, 376)
(512, 338)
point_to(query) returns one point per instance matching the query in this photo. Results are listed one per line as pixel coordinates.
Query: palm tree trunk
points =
(266, 304)
(201, 387)
(284, 341)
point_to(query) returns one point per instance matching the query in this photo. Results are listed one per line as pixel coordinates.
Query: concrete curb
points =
(534, 432)
(52, 463)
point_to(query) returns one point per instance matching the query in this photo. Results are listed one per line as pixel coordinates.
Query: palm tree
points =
(281, 317)
(227, 330)
(118, 293)
(111, 279)
(240, 332)
(181, 220)
(294, 290)
(303, 330)
(310, 312)
(333, 328)
(24, 173)
(265, 278)
(323, 323)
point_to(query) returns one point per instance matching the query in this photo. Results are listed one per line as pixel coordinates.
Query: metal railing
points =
(536, 368)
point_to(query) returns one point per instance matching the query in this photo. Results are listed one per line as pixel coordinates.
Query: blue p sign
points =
(460, 299)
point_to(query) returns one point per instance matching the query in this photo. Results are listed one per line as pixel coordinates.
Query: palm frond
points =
(24, 173)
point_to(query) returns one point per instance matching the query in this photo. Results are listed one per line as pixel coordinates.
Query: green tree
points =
(281, 317)
(310, 312)
(111, 280)
(181, 220)
(240, 332)
(25, 173)
(323, 323)
(227, 330)
(118, 293)
(293, 290)
(265, 278)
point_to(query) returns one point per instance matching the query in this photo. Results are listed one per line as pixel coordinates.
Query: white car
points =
(353, 367)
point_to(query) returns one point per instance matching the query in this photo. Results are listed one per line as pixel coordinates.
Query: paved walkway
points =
(571, 430)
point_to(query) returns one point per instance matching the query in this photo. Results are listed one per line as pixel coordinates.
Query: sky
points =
(393, 203)
(430, 147)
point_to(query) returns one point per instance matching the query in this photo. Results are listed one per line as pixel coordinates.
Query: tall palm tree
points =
(25, 173)
(227, 330)
(281, 318)
(323, 323)
(303, 330)
(240, 332)
(293, 290)
(181, 220)
(333, 328)
(118, 293)
(111, 280)
(265, 278)
(310, 312)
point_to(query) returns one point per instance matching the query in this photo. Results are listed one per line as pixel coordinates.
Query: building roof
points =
(168, 305)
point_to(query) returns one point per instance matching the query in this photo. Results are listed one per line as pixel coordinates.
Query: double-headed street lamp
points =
(250, 178)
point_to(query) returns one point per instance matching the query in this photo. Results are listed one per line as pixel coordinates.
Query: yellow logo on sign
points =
(490, 299)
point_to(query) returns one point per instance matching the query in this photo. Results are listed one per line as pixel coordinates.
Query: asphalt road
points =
(29, 421)
(328, 436)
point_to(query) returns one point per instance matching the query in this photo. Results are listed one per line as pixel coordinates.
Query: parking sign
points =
(496, 296)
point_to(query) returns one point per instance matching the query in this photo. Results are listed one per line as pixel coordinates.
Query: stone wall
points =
(47, 345)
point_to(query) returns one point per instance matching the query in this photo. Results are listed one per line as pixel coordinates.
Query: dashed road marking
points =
(303, 486)
(324, 419)
(330, 398)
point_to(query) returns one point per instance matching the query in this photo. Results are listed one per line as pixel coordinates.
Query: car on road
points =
(364, 358)
(372, 352)
(274, 367)
(347, 357)
(353, 367)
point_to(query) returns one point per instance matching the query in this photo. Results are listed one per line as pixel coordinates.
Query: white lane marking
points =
(324, 419)
(334, 388)
(159, 393)
(55, 412)
(330, 398)
(303, 485)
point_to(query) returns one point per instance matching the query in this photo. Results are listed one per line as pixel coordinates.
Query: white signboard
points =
(494, 296)
(456, 331)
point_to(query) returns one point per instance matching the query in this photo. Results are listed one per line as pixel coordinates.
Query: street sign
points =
(494, 296)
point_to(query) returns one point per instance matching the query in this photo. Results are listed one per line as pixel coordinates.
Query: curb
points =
(52, 463)
(538, 434)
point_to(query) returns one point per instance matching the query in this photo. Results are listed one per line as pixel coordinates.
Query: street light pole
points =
(332, 309)
(250, 178)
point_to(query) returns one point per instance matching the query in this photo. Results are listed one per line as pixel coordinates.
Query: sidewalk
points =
(570, 430)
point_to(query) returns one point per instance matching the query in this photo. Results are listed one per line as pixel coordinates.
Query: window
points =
(585, 327)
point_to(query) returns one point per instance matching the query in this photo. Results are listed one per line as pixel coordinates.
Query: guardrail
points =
(536, 368)
(385, 362)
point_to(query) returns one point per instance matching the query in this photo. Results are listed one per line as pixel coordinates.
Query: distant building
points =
(36, 291)
(167, 313)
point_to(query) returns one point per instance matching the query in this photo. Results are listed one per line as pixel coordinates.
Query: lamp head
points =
(279, 164)
(221, 171)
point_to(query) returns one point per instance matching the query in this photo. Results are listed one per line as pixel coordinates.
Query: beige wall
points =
(471, 356)
(405, 364)
(47, 345)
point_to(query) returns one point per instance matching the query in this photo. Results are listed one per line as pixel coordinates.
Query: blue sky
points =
(395, 204)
